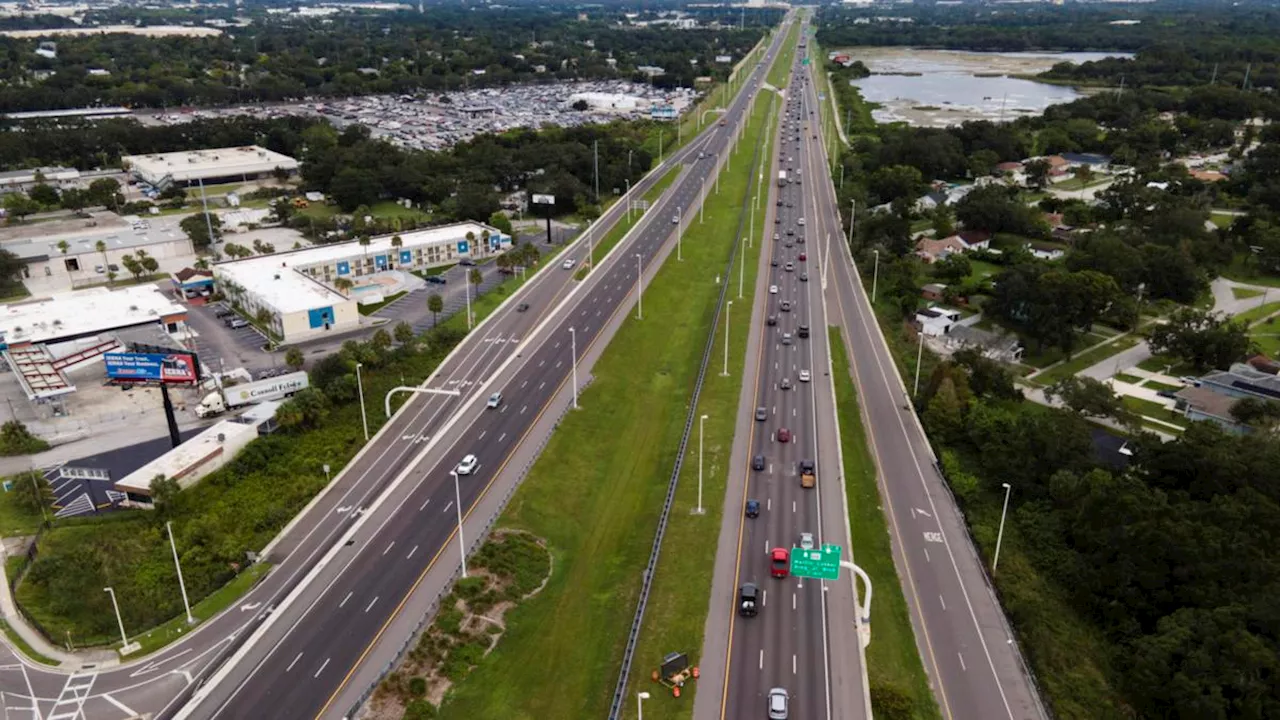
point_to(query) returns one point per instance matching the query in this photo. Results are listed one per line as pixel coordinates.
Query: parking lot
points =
(412, 308)
(221, 347)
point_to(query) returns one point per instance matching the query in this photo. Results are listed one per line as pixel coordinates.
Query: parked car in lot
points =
(235, 323)
(437, 280)
(224, 313)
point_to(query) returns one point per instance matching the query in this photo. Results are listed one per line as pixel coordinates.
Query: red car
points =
(803, 257)
(784, 435)
(779, 566)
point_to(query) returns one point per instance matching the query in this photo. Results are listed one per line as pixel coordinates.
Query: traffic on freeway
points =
(969, 651)
(793, 648)
(301, 663)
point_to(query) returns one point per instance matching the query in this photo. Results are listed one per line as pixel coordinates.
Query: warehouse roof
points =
(202, 164)
(80, 313)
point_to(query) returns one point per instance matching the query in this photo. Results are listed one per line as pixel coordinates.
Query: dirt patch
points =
(511, 567)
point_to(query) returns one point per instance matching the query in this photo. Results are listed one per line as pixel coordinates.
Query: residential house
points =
(1058, 166)
(936, 321)
(999, 346)
(933, 292)
(1045, 252)
(1243, 381)
(1095, 161)
(1202, 403)
(932, 250)
(942, 194)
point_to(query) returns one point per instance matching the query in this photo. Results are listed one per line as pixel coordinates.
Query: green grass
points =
(601, 247)
(598, 510)
(222, 598)
(981, 269)
(678, 603)
(892, 657)
(484, 305)
(23, 646)
(1268, 344)
(1158, 386)
(1155, 410)
(16, 520)
(1131, 379)
(1073, 183)
(1243, 293)
(1222, 220)
(375, 307)
(1085, 360)
(782, 63)
(1165, 365)
(1256, 314)
(428, 272)
(652, 194)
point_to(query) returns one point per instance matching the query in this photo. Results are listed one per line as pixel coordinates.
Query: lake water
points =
(942, 87)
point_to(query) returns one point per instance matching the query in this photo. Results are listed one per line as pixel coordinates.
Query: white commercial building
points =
(299, 288)
(83, 263)
(209, 166)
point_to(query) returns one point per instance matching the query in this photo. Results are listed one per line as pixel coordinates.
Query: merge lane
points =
(397, 582)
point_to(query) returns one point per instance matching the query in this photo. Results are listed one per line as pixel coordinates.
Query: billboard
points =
(544, 199)
(171, 368)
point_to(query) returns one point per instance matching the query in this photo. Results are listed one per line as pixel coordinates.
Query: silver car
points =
(779, 701)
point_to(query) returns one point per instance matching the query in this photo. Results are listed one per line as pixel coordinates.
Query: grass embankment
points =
(595, 494)
(893, 660)
(681, 595)
(780, 72)
(24, 647)
(484, 305)
(221, 599)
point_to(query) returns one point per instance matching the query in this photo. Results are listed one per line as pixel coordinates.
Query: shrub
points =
(16, 439)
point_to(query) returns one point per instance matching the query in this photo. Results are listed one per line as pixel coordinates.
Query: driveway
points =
(220, 347)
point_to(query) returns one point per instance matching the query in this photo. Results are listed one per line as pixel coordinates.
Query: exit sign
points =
(820, 564)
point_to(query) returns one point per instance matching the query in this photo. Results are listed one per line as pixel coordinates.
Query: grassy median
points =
(595, 494)
(894, 669)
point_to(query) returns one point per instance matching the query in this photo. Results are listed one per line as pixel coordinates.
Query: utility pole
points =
(596, 152)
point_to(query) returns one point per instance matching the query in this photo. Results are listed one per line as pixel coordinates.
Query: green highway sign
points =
(820, 564)
(805, 61)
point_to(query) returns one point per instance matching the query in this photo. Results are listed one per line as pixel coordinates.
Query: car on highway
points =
(757, 463)
(761, 414)
(468, 465)
(803, 330)
(778, 704)
(494, 400)
(771, 320)
(806, 541)
(786, 338)
(784, 435)
(803, 257)
(567, 264)
(748, 599)
(804, 277)
(522, 307)
(675, 219)
(773, 289)
(800, 222)
(773, 262)
(785, 306)
(791, 231)
(778, 562)
(804, 376)
(776, 237)
(753, 508)
(777, 221)
(789, 267)
(784, 384)
(808, 476)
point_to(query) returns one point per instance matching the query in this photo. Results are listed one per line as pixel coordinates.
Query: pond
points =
(944, 87)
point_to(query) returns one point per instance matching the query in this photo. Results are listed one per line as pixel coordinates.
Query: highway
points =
(803, 638)
(301, 661)
(326, 625)
(969, 653)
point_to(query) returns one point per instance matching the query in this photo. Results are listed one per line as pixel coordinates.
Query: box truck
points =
(230, 398)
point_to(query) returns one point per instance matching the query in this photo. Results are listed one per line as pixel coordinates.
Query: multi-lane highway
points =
(302, 660)
(962, 633)
(318, 630)
(803, 638)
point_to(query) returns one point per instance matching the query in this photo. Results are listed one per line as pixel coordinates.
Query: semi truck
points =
(782, 178)
(230, 398)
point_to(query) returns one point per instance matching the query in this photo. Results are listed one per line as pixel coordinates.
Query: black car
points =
(753, 508)
(436, 280)
(522, 307)
(773, 262)
(466, 262)
(771, 320)
(803, 330)
(223, 313)
(757, 463)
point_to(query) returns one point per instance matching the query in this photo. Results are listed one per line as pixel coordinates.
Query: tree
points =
(896, 181)
(63, 247)
(197, 228)
(343, 285)
(500, 221)
(1205, 340)
(74, 199)
(105, 192)
(148, 263)
(19, 205)
(294, 358)
(1038, 173)
(263, 317)
(1091, 398)
(134, 267)
(381, 340)
(1256, 412)
(306, 409)
(44, 194)
(403, 333)
(435, 304)
(997, 209)
(283, 209)
(164, 491)
(364, 241)
(953, 268)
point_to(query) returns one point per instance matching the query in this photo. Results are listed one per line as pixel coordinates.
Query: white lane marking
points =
(295, 662)
(793, 664)
(393, 544)
(482, 434)
(523, 408)
(371, 603)
(541, 363)
(762, 659)
(793, 601)
(926, 555)
(526, 382)
(559, 363)
(764, 598)
(446, 507)
(424, 505)
(943, 601)
(502, 437)
(345, 599)
(129, 712)
(540, 386)
(962, 665)
(322, 667)
(768, 504)
(793, 506)
(411, 552)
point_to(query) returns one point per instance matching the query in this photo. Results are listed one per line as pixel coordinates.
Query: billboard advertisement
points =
(171, 368)
(540, 199)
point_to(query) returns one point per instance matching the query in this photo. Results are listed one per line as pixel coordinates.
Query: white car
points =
(567, 264)
(773, 289)
(804, 376)
(806, 541)
(800, 222)
(468, 465)
(494, 400)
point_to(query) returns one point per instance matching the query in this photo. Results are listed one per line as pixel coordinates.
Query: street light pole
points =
(182, 585)
(853, 205)
(639, 288)
(915, 390)
(360, 389)
(457, 501)
(1000, 535)
(701, 422)
(628, 193)
(124, 639)
(467, 289)
(728, 306)
(679, 232)
(640, 698)
(573, 342)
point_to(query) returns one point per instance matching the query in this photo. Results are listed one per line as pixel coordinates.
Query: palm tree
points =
(484, 240)
(435, 304)
(64, 247)
(471, 242)
(343, 285)
(397, 242)
(202, 263)
(101, 247)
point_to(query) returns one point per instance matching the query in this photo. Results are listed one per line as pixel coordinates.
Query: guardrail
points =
(633, 635)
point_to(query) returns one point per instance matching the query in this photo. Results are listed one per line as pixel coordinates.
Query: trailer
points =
(230, 398)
